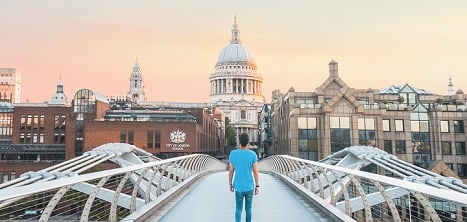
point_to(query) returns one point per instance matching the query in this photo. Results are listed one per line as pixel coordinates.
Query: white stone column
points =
(256, 87)
(243, 85)
(234, 85)
(245, 81)
(213, 89)
(224, 86)
(240, 83)
(259, 88)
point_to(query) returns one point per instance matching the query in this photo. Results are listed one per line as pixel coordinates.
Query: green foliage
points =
(230, 134)
(400, 99)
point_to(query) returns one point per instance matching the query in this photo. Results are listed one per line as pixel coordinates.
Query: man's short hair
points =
(244, 139)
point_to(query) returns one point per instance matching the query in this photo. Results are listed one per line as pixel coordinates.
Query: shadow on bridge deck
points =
(211, 200)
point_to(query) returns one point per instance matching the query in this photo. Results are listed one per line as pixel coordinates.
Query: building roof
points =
(395, 89)
(150, 115)
(235, 52)
(6, 106)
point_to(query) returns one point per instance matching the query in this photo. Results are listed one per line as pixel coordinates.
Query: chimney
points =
(333, 71)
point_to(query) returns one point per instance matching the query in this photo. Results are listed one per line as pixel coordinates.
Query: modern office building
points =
(236, 87)
(415, 125)
(10, 85)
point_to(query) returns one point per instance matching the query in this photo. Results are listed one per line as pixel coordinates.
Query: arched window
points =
(242, 114)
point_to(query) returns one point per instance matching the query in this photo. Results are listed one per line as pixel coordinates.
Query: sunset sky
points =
(94, 44)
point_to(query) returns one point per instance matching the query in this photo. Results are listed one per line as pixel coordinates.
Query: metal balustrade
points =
(143, 184)
(59, 193)
(367, 196)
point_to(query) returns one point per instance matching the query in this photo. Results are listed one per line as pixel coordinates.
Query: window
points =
(242, 114)
(462, 170)
(131, 137)
(23, 122)
(21, 138)
(444, 126)
(412, 98)
(59, 129)
(366, 132)
(450, 165)
(28, 138)
(42, 122)
(29, 122)
(5, 176)
(446, 147)
(84, 101)
(460, 148)
(400, 146)
(123, 136)
(158, 139)
(307, 138)
(56, 122)
(388, 146)
(306, 122)
(340, 133)
(399, 125)
(304, 101)
(419, 126)
(150, 139)
(79, 134)
(35, 122)
(386, 126)
(459, 126)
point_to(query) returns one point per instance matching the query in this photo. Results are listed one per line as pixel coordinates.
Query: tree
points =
(230, 134)
(400, 99)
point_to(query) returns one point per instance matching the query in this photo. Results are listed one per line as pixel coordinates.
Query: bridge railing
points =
(109, 195)
(366, 196)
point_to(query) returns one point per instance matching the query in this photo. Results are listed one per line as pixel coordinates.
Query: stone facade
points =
(417, 126)
(236, 88)
(10, 85)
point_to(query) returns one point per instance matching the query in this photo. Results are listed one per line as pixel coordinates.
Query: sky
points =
(94, 44)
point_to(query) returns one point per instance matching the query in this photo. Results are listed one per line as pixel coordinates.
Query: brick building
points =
(35, 136)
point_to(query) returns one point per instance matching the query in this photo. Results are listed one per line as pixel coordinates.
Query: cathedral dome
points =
(235, 53)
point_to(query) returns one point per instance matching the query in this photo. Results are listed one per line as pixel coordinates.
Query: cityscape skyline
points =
(88, 43)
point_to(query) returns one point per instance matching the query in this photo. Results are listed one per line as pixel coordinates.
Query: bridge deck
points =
(210, 200)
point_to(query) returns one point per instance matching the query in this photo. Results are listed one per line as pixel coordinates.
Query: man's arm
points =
(256, 176)
(231, 172)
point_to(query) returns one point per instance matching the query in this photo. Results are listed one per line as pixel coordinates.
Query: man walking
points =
(243, 168)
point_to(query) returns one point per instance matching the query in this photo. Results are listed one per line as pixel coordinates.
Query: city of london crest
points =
(177, 136)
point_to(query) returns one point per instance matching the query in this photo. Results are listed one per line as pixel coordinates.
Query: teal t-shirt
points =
(242, 161)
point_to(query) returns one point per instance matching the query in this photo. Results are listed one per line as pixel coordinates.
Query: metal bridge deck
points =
(211, 200)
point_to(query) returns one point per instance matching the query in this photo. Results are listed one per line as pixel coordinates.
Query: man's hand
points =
(231, 188)
(256, 190)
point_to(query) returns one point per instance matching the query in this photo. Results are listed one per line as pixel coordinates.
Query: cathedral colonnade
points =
(236, 85)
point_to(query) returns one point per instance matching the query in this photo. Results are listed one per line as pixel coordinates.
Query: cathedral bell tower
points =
(136, 92)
